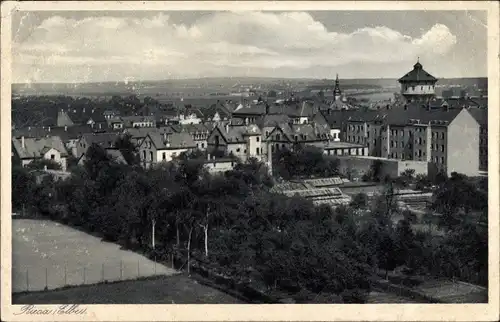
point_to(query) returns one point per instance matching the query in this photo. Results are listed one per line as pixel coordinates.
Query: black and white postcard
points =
(250, 161)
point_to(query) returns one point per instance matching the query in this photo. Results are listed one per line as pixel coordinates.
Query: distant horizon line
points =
(237, 77)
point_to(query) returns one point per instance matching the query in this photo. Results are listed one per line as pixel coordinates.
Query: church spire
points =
(336, 91)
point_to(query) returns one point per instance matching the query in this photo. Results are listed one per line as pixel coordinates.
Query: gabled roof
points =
(35, 148)
(237, 134)
(172, 141)
(304, 132)
(105, 140)
(417, 74)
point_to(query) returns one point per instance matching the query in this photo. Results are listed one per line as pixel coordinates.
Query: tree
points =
(40, 164)
(23, 188)
(407, 177)
(359, 201)
(376, 170)
(128, 149)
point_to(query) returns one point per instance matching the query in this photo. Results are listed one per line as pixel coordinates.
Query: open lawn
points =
(177, 289)
(52, 255)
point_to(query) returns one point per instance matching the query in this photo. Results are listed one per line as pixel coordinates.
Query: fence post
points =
(102, 273)
(46, 278)
(121, 270)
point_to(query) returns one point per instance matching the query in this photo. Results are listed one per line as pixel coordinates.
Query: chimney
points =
(65, 128)
(49, 128)
(208, 156)
(45, 168)
(227, 127)
(83, 110)
(22, 142)
(100, 126)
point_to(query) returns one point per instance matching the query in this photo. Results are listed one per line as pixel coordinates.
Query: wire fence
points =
(38, 278)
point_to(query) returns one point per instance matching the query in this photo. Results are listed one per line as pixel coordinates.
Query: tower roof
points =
(336, 91)
(417, 74)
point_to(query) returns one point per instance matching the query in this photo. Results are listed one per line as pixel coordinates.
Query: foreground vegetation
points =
(233, 225)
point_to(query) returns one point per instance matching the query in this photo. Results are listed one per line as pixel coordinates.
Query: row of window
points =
(436, 135)
(435, 147)
(437, 159)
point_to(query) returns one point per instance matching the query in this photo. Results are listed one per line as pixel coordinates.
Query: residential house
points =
(110, 114)
(115, 123)
(288, 136)
(199, 133)
(68, 134)
(139, 134)
(27, 150)
(104, 140)
(138, 121)
(156, 147)
(88, 116)
(242, 142)
(114, 154)
(189, 118)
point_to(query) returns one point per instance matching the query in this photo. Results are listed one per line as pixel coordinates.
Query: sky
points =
(86, 46)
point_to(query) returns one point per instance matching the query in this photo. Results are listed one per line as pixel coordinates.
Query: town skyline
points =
(84, 47)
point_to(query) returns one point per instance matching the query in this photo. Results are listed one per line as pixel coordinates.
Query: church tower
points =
(337, 94)
(418, 85)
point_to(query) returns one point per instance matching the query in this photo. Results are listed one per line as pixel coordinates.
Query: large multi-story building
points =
(481, 115)
(447, 138)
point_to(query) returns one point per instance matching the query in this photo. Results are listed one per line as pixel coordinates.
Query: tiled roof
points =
(83, 115)
(304, 132)
(273, 120)
(190, 128)
(128, 120)
(138, 133)
(401, 116)
(480, 114)
(103, 139)
(393, 116)
(417, 74)
(68, 133)
(172, 141)
(35, 148)
(237, 134)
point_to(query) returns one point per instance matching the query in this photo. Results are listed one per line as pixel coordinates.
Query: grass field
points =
(177, 289)
(48, 254)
